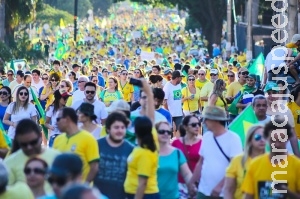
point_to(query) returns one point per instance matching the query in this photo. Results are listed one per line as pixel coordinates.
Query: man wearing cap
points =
(219, 146)
(173, 98)
(18, 190)
(18, 81)
(208, 86)
(65, 171)
(277, 106)
(79, 93)
(76, 68)
(235, 87)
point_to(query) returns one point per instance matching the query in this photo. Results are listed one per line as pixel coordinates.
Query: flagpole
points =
(75, 20)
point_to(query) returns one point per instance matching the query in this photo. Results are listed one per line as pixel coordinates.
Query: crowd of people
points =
(103, 122)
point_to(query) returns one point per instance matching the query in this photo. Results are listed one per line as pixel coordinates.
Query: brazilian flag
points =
(60, 50)
(3, 133)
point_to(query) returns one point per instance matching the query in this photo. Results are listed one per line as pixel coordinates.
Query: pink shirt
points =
(191, 153)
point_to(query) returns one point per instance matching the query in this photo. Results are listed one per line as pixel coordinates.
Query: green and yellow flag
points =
(4, 135)
(241, 124)
(60, 51)
(257, 67)
(62, 23)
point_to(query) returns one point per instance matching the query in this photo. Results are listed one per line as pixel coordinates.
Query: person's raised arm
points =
(150, 100)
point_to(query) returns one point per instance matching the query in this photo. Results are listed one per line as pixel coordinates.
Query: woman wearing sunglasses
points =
(191, 98)
(35, 171)
(45, 79)
(136, 90)
(18, 110)
(73, 79)
(189, 143)
(59, 103)
(5, 100)
(125, 87)
(255, 146)
(172, 163)
(53, 85)
(217, 96)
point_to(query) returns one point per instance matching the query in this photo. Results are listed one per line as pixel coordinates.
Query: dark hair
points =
(76, 191)
(186, 68)
(36, 71)
(27, 75)
(71, 113)
(185, 122)
(116, 116)
(295, 92)
(275, 124)
(157, 67)
(256, 98)
(25, 126)
(155, 78)
(56, 62)
(55, 76)
(116, 82)
(90, 84)
(57, 97)
(8, 91)
(141, 74)
(73, 74)
(45, 165)
(158, 93)
(143, 130)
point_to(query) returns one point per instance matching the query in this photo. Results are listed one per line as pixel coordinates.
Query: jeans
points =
(202, 196)
(52, 138)
(146, 196)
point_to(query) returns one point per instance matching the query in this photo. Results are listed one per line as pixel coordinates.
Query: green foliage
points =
(101, 7)
(5, 53)
(68, 5)
(191, 23)
(52, 16)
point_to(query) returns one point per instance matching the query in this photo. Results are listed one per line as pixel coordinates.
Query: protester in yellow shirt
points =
(125, 87)
(48, 90)
(208, 87)
(56, 69)
(202, 80)
(235, 87)
(77, 141)
(141, 178)
(191, 97)
(216, 97)
(277, 167)
(294, 106)
(235, 173)
(111, 94)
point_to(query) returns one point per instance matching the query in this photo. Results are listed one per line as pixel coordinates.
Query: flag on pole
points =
(241, 124)
(41, 112)
(257, 67)
(62, 23)
(4, 135)
(12, 65)
(60, 50)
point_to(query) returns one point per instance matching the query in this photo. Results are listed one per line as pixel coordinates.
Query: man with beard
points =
(114, 151)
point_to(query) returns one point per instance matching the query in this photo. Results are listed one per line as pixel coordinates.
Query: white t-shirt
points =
(173, 96)
(14, 92)
(99, 109)
(276, 57)
(79, 95)
(39, 85)
(19, 115)
(214, 162)
(53, 116)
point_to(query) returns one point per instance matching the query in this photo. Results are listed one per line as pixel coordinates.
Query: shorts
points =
(202, 196)
(146, 196)
(177, 121)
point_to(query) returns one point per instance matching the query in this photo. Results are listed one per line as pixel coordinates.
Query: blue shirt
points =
(165, 113)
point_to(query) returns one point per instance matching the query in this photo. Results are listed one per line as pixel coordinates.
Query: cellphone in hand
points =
(136, 82)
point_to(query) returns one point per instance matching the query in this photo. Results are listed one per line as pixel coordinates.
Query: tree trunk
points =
(254, 11)
(2, 20)
(292, 14)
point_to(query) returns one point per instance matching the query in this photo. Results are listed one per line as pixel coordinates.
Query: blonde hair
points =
(17, 103)
(68, 83)
(248, 145)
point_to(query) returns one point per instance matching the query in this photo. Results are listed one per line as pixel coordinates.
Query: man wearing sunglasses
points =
(65, 171)
(29, 139)
(18, 81)
(209, 86)
(10, 78)
(99, 107)
(79, 93)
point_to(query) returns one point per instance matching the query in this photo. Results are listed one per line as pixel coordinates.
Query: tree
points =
(101, 7)
(2, 20)
(68, 5)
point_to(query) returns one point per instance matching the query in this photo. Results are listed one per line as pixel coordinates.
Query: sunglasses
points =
(195, 124)
(230, 75)
(95, 81)
(191, 79)
(90, 92)
(258, 137)
(213, 74)
(53, 80)
(3, 93)
(162, 132)
(136, 72)
(244, 73)
(31, 143)
(93, 71)
(9, 74)
(45, 78)
(62, 86)
(81, 81)
(38, 171)
(125, 74)
(59, 181)
(23, 93)
(202, 74)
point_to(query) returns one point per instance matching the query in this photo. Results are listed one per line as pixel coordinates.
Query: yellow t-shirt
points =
(291, 45)
(15, 164)
(295, 109)
(258, 178)
(3, 144)
(200, 84)
(107, 97)
(83, 144)
(236, 171)
(141, 162)
(18, 190)
(50, 97)
(190, 105)
(126, 90)
(233, 89)
(206, 90)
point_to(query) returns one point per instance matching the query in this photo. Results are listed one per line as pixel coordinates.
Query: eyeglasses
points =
(95, 81)
(161, 132)
(202, 74)
(3, 93)
(23, 93)
(38, 171)
(213, 74)
(81, 81)
(257, 137)
(195, 124)
(59, 181)
(45, 78)
(90, 92)
(136, 72)
(53, 80)
(244, 73)
(125, 74)
(9, 74)
(191, 79)
(62, 86)
(30, 143)
(230, 75)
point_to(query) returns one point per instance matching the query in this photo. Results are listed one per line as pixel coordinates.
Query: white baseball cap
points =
(295, 38)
